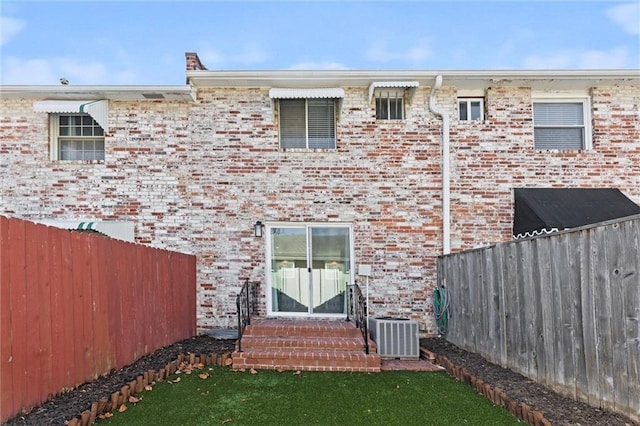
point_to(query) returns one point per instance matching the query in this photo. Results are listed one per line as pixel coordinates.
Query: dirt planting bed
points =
(557, 409)
(72, 404)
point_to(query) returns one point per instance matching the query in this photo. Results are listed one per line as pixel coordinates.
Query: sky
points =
(144, 42)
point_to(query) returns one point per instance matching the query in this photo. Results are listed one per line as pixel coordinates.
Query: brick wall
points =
(196, 176)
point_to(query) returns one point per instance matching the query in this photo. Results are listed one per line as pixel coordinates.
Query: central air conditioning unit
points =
(395, 337)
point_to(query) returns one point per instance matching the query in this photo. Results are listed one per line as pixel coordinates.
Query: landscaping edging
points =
(108, 404)
(519, 409)
(135, 387)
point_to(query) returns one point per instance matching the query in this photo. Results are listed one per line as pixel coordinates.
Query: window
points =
(307, 123)
(391, 98)
(470, 109)
(76, 137)
(561, 124)
(389, 105)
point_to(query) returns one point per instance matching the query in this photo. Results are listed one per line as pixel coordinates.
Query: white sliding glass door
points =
(309, 268)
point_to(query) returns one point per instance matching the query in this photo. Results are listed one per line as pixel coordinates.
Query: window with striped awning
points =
(307, 123)
(307, 117)
(390, 98)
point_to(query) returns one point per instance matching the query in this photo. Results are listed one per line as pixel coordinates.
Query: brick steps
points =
(305, 345)
(302, 328)
(302, 343)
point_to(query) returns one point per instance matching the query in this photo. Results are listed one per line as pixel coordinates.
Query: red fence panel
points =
(7, 401)
(18, 297)
(75, 305)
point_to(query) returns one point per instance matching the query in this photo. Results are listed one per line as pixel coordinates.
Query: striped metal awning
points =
(98, 110)
(390, 85)
(293, 93)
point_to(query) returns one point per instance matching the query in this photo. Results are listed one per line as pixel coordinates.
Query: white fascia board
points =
(113, 93)
(537, 79)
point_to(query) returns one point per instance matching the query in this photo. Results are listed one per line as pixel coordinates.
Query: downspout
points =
(446, 191)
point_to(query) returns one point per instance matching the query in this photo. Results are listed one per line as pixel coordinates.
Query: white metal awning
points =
(98, 110)
(290, 93)
(391, 85)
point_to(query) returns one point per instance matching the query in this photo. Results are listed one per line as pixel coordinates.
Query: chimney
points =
(193, 62)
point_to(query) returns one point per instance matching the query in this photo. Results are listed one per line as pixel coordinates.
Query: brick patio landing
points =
(408, 365)
(306, 345)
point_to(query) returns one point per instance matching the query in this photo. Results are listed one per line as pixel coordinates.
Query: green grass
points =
(313, 398)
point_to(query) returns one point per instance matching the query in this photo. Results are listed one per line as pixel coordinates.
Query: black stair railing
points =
(357, 312)
(245, 309)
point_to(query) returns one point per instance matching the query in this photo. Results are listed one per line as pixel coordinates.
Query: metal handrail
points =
(243, 305)
(357, 311)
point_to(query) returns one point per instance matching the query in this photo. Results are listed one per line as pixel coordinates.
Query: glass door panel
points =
(310, 267)
(330, 270)
(289, 271)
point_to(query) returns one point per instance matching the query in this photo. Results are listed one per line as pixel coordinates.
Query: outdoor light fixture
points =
(257, 229)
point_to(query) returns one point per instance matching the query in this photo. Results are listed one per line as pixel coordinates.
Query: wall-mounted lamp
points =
(257, 229)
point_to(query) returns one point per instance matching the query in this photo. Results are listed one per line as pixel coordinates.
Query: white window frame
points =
(468, 100)
(587, 143)
(306, 118)
(55, 152)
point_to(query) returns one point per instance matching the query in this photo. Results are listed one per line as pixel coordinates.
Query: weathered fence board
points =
(562, 309)
(74, 306)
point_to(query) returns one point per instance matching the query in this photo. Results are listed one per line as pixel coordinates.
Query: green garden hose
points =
(441, 309)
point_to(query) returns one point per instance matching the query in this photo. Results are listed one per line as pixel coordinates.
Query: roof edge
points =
(114, 93)
(538, 79)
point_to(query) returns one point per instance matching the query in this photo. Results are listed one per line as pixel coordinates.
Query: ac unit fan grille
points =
(395, 337)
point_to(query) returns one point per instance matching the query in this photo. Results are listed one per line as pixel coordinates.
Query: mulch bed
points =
(70, 405)
(556, 408)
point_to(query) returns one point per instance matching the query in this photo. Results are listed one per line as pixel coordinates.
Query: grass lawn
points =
(312, 398)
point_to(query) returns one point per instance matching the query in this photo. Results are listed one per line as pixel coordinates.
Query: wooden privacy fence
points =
(74, 306)
(562, 309)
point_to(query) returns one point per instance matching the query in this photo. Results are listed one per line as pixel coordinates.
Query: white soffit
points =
(98, 110)
(391, 84)
(290, 93)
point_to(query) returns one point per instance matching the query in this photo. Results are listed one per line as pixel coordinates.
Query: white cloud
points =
(318, 66)
(49, 71)
(249, 55)
(418, 53)
(9, 28)
(617, 57)
(30, 71)
(551, 61)
(627, 16)
(82, 73)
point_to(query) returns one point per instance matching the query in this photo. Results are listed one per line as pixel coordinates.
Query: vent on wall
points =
(395, 337)
(153, 95)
